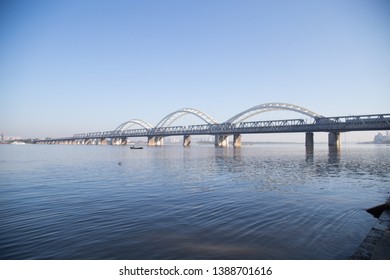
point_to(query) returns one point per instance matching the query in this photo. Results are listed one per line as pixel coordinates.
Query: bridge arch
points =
(128, 124)
(169, 119)
(266, 107)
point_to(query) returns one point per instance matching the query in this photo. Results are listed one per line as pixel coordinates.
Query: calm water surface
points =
(201, 202)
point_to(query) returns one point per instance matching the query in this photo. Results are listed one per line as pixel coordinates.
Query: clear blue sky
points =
(80, 66)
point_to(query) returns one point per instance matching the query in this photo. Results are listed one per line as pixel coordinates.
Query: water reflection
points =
(309, 154)
(334, 155)
(237, 153)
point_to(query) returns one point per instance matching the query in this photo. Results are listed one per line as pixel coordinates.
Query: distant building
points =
(380, 138)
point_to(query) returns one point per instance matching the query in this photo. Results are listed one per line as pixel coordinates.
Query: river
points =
(200, 202)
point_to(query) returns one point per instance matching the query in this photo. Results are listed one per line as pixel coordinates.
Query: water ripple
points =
(266, 202)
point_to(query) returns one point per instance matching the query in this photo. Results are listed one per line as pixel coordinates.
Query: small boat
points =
(136, 148)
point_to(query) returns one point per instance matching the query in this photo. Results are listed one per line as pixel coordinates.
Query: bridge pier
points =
(104, 141)
(309, 139)
(334, 139)
(114, 141)
(155, 141)
(221, 140)
(119, 141)
(237, 140)
(186, 140)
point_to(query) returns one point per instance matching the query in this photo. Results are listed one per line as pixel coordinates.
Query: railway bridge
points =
(235, 126)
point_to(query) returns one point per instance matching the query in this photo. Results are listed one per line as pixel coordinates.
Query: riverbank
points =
(376, 246)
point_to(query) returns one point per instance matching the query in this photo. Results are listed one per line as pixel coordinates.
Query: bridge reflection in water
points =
(234, 126)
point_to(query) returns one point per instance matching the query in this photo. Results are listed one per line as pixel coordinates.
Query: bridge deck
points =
(320, 124)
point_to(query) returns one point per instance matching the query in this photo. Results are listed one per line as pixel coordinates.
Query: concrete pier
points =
(237, 140)
(309, 142)
(186, 140)
(221, 141)
(119, 141)
(155, 141)
(334, 139)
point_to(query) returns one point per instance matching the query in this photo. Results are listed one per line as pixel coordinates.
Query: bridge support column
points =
(186, 140)
(119, 141)
(221, 141)
(334, 139)
(155, 141)
(309, 139)
(237, 140)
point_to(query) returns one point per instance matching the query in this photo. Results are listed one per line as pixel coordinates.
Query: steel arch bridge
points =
(126, 125)
(170, 118)
(266, 107)
(233, 126)
(262, 108)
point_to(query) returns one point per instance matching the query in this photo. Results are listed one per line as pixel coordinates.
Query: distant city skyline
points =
(81, 66)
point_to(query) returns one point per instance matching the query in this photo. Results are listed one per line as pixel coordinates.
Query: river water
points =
(199, 202)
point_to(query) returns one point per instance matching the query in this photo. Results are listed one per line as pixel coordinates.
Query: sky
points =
(80, 66)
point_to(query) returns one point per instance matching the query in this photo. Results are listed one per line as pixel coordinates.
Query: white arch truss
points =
(271, 107)
(128, 124)
(169, 119)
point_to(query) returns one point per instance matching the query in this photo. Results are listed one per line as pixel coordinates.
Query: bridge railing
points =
(342, 123)
(349, 123)
(136, 132)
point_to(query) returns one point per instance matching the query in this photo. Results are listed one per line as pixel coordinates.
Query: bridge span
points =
(235, 126)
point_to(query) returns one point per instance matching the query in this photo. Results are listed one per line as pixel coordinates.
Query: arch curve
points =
(169, 119)
(128, 124)
(266, 107)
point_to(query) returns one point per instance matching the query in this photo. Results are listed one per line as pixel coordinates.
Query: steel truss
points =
(321, 124)
(267, 107)
(169, 119)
